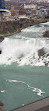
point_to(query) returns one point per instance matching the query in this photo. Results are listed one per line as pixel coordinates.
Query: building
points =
(3, 12)
(2, 4)
(22, 12)
(12, 10)
(31, 13)
(29, 6)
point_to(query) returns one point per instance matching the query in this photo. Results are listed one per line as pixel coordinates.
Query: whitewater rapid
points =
(24, 50)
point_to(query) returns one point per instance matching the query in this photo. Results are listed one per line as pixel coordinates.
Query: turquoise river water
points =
(24, 70)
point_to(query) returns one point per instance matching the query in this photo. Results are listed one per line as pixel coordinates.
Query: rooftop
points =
(4, 10)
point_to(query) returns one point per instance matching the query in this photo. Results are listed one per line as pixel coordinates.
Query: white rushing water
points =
(26, 51)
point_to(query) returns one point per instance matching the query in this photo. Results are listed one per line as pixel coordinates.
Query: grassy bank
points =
(11, 27)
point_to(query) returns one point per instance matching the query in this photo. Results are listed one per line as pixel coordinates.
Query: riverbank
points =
(41, 105)
(8, 28)
(1, 107)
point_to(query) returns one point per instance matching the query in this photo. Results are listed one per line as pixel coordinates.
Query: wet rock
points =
(20, 56)
(9, 58)
(0, 52)
(1, 104)
(46, 34)
(2, 109)
(38, 25)
(1, 39)
(46, 26)
(41, 52)
(47, 55)
(46, 63)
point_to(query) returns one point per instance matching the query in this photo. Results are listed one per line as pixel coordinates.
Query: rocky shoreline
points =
(8, 28)
(1, 107)
(40, 105)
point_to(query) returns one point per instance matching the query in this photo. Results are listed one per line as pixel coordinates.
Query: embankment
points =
(11, 27)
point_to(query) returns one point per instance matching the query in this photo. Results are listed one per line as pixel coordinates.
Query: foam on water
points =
(24, 52)
(39, 92)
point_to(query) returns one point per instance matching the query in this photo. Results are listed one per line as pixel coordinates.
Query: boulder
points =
(41, 52)
(1, 104)
(1, 39)
(46, 34)
(0, 52)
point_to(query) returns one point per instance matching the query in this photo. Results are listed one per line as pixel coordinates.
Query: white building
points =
(7, 14)
(4, 13)
(29, 6)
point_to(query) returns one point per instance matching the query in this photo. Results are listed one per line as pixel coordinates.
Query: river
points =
(24, 67)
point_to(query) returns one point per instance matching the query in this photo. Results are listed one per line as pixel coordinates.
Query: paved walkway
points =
(41, 105)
